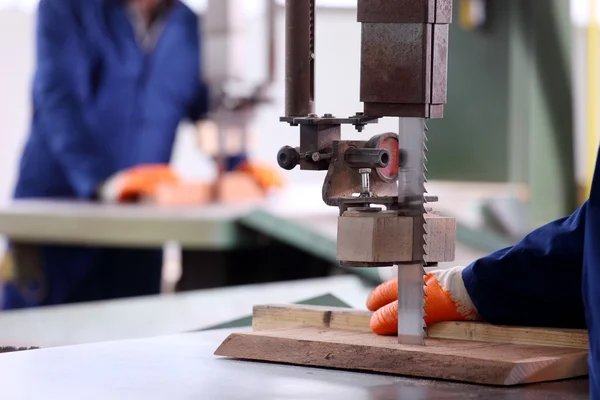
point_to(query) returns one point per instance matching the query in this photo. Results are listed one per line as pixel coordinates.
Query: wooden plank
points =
(267, 317)
(277, 316)
(479, 331)
(466, 361)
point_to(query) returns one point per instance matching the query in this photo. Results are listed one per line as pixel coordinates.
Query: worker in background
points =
(114, 78)
(551, 278)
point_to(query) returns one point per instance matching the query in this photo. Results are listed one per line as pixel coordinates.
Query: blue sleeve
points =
(537, 282)
(591, 281)
(200, 104)
(199, 107)
(58, 110)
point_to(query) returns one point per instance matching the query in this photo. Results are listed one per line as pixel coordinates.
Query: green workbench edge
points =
(303, 238)
(291, 232)
(326, 300)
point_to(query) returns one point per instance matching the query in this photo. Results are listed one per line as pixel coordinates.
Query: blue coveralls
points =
(551, 278)
(101, 104)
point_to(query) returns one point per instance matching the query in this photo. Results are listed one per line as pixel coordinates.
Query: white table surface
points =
(184, 367)
(163, 314)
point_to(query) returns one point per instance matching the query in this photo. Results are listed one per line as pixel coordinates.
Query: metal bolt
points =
(316, 156)
(313, 116)
(366, 180)
(328, 116)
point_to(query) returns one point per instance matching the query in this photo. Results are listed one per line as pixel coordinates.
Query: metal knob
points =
(288, 158)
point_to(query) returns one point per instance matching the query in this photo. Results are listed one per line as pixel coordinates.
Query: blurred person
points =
(113, 80)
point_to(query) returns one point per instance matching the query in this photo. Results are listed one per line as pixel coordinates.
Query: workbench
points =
(293, 221)
(183, 367)
(216, 227)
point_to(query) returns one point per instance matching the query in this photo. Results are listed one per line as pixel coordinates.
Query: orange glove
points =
(264, 175)
(137, 182)
(446, 299)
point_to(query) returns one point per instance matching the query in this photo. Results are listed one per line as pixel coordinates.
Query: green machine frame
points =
(509, 116)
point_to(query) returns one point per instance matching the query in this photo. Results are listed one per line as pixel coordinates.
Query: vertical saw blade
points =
(411, 198)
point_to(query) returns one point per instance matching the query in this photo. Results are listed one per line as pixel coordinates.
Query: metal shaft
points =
(366, 180)
(271, 28)
(410, 304)
(299, 57)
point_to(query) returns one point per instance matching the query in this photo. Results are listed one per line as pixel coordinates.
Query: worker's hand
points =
(264, 175)
(137, 183)
(446, 299)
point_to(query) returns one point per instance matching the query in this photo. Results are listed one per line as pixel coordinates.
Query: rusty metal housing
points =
(404, 57)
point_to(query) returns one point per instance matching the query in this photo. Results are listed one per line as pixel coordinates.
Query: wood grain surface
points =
(274, 316)
(367, 238)
(457, 360)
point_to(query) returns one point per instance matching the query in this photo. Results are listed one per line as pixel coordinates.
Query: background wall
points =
(16, 66)
(471, 143)
(337, 92)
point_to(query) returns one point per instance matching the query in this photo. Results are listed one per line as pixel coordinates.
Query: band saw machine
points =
(379, 184)
(385, 218)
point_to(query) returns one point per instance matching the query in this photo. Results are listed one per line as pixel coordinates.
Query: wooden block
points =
(384, 237)
(441, 238)
(268, 317)
(381, 237)
(466, 361)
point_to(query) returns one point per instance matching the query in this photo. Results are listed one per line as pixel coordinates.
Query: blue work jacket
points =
(551, 278)
(101, 103)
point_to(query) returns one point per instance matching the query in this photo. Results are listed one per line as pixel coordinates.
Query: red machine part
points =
(388, 141)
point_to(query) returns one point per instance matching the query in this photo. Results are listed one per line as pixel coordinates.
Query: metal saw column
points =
(404, 63)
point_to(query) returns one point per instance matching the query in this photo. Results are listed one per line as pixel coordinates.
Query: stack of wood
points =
(472, 352)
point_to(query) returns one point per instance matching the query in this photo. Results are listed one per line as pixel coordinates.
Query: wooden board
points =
(463, 351)
(466, 361)
(274, 316)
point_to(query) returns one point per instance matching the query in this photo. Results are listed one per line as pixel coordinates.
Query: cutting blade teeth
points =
(411, 278)
(425, 231)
